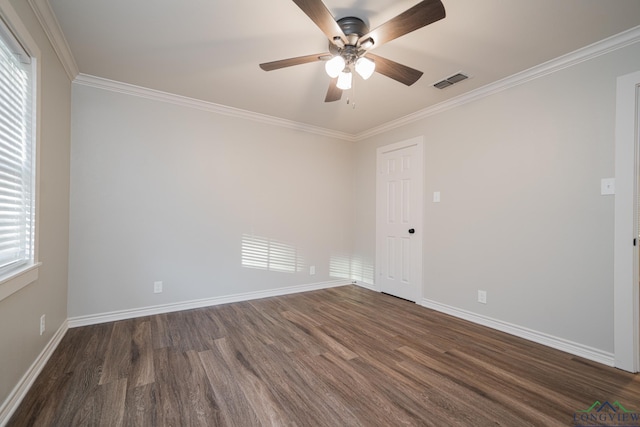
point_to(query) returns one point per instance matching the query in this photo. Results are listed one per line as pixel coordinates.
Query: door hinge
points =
(635, 242)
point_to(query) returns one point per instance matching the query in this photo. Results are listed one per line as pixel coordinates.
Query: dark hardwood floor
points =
(337, 357)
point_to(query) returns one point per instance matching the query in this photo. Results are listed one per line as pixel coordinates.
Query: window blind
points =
(16, 154)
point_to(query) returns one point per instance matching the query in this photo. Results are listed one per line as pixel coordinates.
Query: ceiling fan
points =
(350, 43)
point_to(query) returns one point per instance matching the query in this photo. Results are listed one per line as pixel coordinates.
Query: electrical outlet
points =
(482, 297)
(157, 287)
(42, 324)
(312, 270)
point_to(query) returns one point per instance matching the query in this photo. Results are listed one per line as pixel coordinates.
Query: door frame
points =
(626, 298)
(418, 142)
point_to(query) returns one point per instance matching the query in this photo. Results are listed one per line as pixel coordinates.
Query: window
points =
(17, 154)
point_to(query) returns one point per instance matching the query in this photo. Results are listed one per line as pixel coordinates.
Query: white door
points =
(399, 219)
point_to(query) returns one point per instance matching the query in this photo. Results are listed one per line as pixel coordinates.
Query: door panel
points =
(399, 209)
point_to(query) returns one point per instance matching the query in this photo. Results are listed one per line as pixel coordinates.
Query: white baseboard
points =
(18, 393)
(112, 316)
(365, 285)
(538, 337)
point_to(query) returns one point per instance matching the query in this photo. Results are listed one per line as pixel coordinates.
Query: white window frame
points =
(16, 279)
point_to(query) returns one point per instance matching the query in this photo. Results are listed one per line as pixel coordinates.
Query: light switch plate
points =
(607, 186)
(436, 197)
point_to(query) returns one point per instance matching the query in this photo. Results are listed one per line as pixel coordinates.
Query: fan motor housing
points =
(353, 28)
(352, 25)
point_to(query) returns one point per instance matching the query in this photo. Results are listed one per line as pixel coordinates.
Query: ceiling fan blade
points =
(420, 15)
(394, 70)
(283, 63)
(334, 93)
(320, 15)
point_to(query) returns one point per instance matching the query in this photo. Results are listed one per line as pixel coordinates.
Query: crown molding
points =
(594, 50)
(156, 95)
(52, 28)
(54, 33)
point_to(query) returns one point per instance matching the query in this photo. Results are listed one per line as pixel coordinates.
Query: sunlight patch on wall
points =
(268, 254)
(353, 268)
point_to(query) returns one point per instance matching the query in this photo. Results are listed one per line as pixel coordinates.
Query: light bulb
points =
(344, 80)
(365, 67)
(334, 66)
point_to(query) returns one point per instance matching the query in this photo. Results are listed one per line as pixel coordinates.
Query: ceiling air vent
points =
(450, 80)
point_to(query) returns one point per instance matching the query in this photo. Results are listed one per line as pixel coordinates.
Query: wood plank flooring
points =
(336, 357)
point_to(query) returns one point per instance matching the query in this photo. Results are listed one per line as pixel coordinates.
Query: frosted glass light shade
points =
(344, 81)
(334, 66)
(365, 67)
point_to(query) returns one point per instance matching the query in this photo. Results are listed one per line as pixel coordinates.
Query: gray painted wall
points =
(521, 213)
(163, 192)
(20, 341)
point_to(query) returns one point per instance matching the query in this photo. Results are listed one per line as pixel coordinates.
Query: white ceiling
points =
(210, 49)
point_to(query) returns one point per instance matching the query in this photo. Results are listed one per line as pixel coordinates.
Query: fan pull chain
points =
(353, 93)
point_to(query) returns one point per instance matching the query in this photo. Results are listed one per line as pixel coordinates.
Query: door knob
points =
(411, 231)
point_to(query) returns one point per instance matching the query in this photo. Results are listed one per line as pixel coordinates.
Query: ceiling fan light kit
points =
(334, 66)
(365, 67)
(344, 80)
(350, 42)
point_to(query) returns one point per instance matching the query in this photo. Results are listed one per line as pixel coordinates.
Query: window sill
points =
(14, 281)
